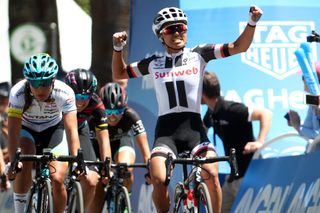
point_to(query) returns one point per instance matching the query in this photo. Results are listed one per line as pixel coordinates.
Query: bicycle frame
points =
(192, 189)
(116, 187)
(41, 180)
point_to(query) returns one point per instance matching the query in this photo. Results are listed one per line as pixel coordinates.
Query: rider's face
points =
(175, 36)
(41, 93)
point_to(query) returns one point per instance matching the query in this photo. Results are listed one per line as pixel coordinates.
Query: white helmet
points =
(168, 15)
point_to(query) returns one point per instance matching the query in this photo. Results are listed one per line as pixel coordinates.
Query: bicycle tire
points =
(46, 199)
(29, 207)
(75, 199)
(204, 200)
(123, 203)
(178, 197)
(108, 200)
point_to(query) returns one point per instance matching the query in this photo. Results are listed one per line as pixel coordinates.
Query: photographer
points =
(310, 127)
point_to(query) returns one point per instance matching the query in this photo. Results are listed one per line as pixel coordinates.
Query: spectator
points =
(310, 128)
(232, 122)
(4, 157)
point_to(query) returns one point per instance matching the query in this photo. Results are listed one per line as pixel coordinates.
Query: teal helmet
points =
(40, 67)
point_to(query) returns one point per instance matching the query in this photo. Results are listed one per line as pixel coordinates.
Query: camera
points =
(314, 37)
(311, 100)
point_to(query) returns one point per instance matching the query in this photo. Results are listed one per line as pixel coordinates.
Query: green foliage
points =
(84, 4)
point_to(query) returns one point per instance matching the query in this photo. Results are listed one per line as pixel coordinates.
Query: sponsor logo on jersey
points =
(274, 44)
(176, 72)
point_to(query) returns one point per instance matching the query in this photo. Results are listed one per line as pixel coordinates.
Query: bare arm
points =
(245, 39)
(71, 128)
(104, 143)
(14, 127)
(265, 118)
(143, 144)
(118, 63)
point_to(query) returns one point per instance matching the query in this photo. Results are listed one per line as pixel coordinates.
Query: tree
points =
(108, 16)
(41, 13)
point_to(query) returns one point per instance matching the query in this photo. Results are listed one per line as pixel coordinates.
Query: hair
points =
(211, 85)
(27, 97)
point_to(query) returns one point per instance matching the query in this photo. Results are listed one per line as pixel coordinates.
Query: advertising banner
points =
(286, 184)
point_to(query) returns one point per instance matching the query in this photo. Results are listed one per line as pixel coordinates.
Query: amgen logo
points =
(272, 50)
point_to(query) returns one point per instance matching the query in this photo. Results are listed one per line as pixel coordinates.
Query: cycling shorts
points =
(53, 137)
(180, 132)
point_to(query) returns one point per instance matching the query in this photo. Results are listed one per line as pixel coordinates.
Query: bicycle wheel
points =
(75, 199)
(46, 199)
(32, 200)
(204, 200)
(123, 204)
(109, 204)
(178, 197)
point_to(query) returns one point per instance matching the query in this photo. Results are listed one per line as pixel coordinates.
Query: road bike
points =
(192, 192)
(40, 196)
(117, 196)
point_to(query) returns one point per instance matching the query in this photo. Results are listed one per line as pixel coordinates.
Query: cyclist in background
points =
(124, 125)
(177, 76)
(84, 84)
(42, 114)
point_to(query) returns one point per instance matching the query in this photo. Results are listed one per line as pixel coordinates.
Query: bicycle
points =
(117, 196)
(75, 203)
(40, 196)
(193, 191)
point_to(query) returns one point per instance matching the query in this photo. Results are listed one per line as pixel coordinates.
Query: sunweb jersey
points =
(178, 77)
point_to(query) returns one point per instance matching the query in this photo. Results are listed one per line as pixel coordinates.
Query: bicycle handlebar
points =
(199, 161)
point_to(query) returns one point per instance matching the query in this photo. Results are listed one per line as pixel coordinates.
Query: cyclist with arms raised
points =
(89, 105)
(124, 125)
(42, 114)
(179, 126)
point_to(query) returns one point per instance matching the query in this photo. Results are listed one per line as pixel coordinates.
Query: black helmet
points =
(82, 81)
(113, 96)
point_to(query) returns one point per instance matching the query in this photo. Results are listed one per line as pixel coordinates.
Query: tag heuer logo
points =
(274, 44)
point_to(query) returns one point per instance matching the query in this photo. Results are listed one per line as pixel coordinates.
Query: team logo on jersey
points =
(274, 44)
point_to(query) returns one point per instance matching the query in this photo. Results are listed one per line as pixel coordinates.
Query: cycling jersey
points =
(178, 77)
(42, 115)
(95, 109)
(129, 126)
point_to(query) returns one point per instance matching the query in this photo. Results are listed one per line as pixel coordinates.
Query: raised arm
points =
(245, 39)
(118, 63)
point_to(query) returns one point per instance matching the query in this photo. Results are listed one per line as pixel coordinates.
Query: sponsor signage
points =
(286, 184)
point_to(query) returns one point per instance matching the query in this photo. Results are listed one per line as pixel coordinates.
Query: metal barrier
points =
(290, 150)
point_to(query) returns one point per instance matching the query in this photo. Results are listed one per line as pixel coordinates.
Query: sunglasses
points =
(83, 97)
(174, 28)
(40, 83)
(110, 112)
